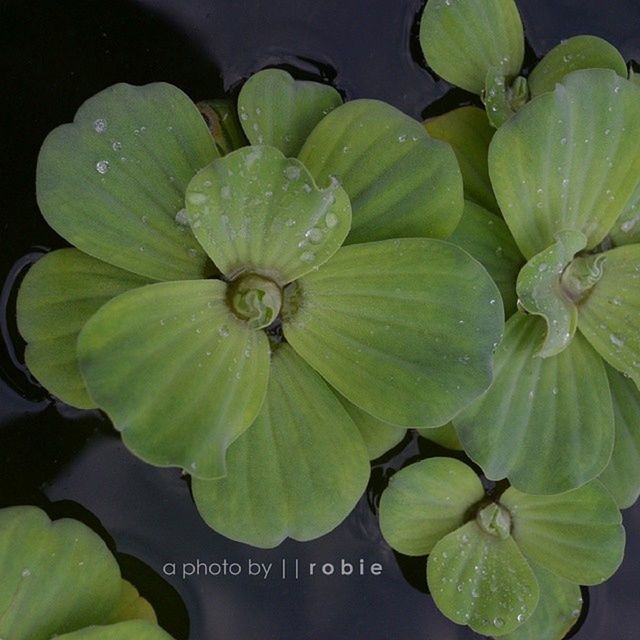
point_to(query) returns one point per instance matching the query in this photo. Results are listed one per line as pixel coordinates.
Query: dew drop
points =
(616, 341)
(100, 125)
(292, 172)
(314, 235)
(102, 166)
(498, 623)
(26, 573)
(116, 145)
(223, 331)
(182, 218)
(331, 220)
(521, 618)
(290, 222)
(308, 256)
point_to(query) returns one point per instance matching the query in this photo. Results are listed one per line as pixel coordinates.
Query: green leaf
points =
(503, 98)
(297, 472)
(558, 609)
(568, 160)
(622, 476)
(56, 576)
(56, 298)
(577, 535)
(463, 39)
(404, 329)
(193, 379)
(540, 291)
(468, 131)
(610, 315)
(132, 630)
(112, 183)
(279, 111)
(627, 228)
(445, 436)
(401, 182)
(579, 52)
(482, 580)
(426, 501)
(379, 437)
(558, 407)
(488, 239)
(224, 125)
(132, 606)
(256, 211)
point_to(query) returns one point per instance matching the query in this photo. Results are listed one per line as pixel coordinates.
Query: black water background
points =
(56, 53)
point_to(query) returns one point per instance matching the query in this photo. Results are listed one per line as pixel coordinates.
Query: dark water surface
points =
(55, 54)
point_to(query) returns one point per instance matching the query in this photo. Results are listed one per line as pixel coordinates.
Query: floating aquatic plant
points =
(478, 45)
(60, 580)
(506, 563)
(212, 311)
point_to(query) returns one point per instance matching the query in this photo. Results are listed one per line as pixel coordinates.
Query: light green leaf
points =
(463, 39)
(112, 183)
(56, 298)
(577, 535)
(297, 472)
(622, 476)
(559, 407)
(132, 606)
(579, 52)
(404, 329)
(401, 182)
(132, 630)
(279, 111)
(627, 228)
(540, 291)
(609, 316)
(379, 437)
(568, 160)
(256, 211)
(445, 436)
(426, 501)
(482, 580)
(488, 239)
(503, 98)
(224, 125)
(558, 609)
(193, 379)
(468, 131)
(56, 577)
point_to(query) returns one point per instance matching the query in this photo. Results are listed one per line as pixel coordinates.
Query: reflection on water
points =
(73, 463)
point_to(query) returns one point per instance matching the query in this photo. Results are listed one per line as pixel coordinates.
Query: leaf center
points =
(255, 299)
(495, 520)
(581, 276)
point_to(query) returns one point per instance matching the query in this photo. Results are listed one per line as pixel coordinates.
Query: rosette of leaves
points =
(264, 321)
(478, 45)
(565, 173)
(59, 580)
(505, 564)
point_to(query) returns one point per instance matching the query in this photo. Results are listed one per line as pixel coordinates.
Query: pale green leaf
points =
(622, 476)
(56, 298)
(132, 630)
(426, 501)
(401, 182)
(256, 211)
(540, 291)
(487, 238)
(468, 131)
(558, 609)
(379, 437)
(609, 316)
(502, 97)
(279, 111)
(577, 535)
(297, 472)
(112, 183)
(627, 228)
(568, 160)
(463, 39)
(579, 52)
(445, 436)
(56, 577)
(404, 328)
(482, 580)
(558, 407)
(132, 606)
(176, 371)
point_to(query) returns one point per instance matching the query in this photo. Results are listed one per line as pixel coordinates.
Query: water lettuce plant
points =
(564, 172)
(60, 580)
(478, 45)
(507, 564)
(264, 321)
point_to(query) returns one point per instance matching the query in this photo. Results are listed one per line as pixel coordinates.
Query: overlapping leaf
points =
(401, 182)
(178, 373)
(132, 630)
(112, 183)
(391, 338)
(627, 228)
(297, 472)
(445, 436)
